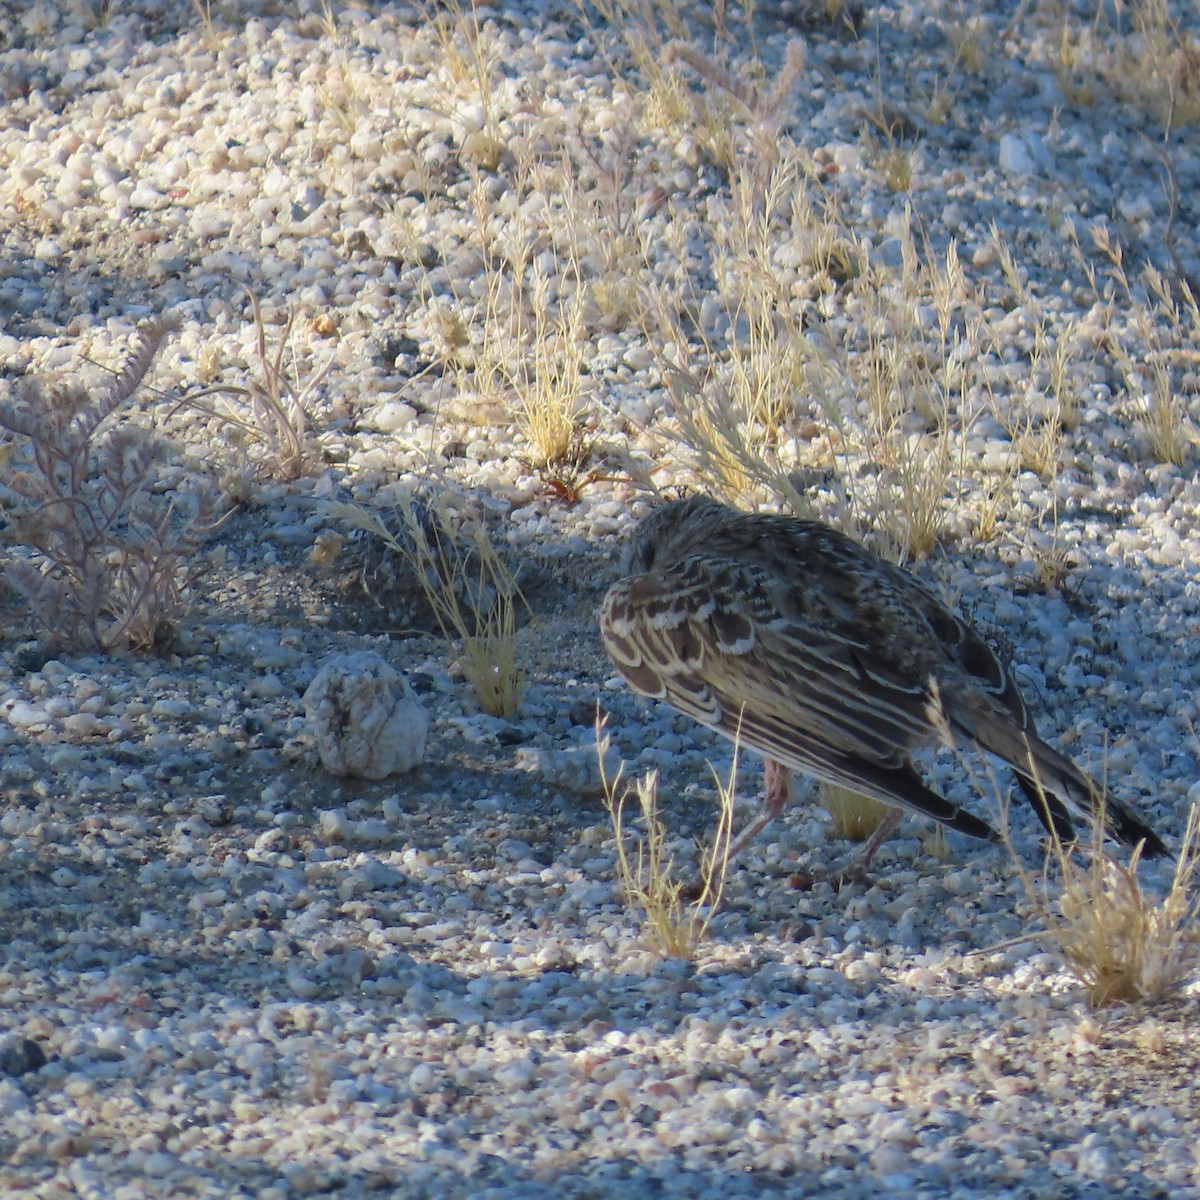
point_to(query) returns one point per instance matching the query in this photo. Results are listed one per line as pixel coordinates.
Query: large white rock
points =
(365, 718)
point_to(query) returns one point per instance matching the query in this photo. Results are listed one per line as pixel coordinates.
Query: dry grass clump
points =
(809, 368)
(269, 417)
(731, 345)
(882, 410)
(468, 586)
(854, 816)
(103, 559)
(472, 64)
(910, 374)
(1138, 51)
(1153, 345)
(1157, 64)
(1120, 942)
(673, 924)
(517, 338)
(548, 381)
(879, 402)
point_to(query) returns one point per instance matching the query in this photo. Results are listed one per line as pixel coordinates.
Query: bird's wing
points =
(806, 687)
(716, 640)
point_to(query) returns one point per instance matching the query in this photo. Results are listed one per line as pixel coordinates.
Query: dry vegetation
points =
(1120, 942)
(466, 583)
(1139, 52)
(676, 910)
(769, 401)
(103, 560)
(268, 419)
(854, 816)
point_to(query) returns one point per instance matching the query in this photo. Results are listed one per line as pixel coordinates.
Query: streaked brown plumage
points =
(792, 638)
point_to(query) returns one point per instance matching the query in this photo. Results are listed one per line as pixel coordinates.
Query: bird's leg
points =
(856, 866)
(777, 791)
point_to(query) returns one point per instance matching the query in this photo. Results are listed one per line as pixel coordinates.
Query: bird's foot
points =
(855, 871)
(857, 868)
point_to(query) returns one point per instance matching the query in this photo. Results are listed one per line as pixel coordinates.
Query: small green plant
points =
(673, 924)
(471, 592)
(103, 559)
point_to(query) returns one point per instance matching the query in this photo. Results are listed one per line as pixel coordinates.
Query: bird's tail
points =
(1058, 790)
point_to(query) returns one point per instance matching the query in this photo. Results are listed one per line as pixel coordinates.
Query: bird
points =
(787, 636)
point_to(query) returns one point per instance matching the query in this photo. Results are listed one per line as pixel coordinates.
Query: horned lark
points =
(829, 660)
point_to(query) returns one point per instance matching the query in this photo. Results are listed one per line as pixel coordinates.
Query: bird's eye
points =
(638, 557)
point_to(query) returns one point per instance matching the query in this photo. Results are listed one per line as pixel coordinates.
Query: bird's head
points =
(671, 531)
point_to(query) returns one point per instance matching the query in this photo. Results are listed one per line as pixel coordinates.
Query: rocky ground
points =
(229, 972)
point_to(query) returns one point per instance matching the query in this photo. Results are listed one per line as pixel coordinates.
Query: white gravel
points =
(227, 972)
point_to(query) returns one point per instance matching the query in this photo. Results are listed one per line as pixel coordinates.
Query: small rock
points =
(20, 1055)
(585, 712)
(392, 417)
(1024, 154)
(574, 770)
(365, 718)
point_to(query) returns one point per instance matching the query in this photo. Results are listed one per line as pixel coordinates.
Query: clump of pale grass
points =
(1155, 346)
(854, 816)
(1157, 65)
(518, 337)
(712, 429)
(673, 924)
(913, 385)
(760, 103)
(1140, 52)
(738, 101)
(271, 413)
(1118, 940)
(467, 41)
(738, 375)
(470, 590)
(764, 401)
(549, 379)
